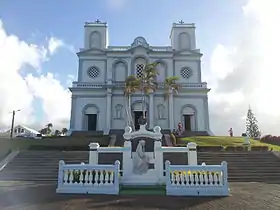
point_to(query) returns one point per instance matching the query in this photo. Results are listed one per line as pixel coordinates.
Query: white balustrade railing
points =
(122, 84)
(199, 180)
(88, 179)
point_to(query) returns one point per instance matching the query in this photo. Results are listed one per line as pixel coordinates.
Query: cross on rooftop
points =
(97, 21)
(181, 21)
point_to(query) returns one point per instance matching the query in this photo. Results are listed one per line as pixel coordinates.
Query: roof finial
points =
(97, 20)
(181, 21)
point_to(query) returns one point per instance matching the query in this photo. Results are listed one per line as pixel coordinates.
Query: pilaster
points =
(206, 113)
(108, 110)
(171, 111)
(73, 112)
(151, 111)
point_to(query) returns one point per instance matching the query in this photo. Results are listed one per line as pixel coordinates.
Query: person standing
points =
(230, 132)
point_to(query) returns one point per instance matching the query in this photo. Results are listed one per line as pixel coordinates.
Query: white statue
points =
(141, 160)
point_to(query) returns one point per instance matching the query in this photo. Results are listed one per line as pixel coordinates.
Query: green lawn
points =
(225, 141)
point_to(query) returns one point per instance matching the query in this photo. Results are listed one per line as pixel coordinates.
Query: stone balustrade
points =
(197, 180)
(89, 85)
(88, 179)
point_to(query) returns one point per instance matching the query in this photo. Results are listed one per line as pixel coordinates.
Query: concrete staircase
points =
(242, 166)
(40, 165)
(246, 166)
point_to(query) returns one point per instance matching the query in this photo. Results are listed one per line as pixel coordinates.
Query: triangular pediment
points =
(91, 51)
(188, 52)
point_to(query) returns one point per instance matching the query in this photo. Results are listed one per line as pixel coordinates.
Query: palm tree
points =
(49, 127)
(132, 84)
(64, 131)
(170, 86)
(148, 83)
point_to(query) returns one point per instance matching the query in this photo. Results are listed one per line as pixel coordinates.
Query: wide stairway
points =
(38, 165)
(246, 166)
(242, 166)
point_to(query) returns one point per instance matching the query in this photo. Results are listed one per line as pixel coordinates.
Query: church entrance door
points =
(92, 121)
(137, 115)
(188, 122)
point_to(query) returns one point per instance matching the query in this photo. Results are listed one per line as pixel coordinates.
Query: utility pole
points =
(13, 122)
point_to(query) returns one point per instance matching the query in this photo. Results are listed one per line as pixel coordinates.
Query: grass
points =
(226, 141)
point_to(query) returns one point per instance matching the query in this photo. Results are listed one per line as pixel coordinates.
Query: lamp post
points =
(13, 121)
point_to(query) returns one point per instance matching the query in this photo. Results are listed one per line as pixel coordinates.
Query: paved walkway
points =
(32, 196)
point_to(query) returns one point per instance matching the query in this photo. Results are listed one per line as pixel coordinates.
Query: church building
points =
(98, 101)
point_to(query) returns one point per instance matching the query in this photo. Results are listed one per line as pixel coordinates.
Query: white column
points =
(159, 160)
(108, 111)
(93, 153)
(171, 112)
(73, 112)
(127, 160)
(151, 111)
(192, 153)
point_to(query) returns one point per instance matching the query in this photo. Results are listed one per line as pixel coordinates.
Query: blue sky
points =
(33, 20)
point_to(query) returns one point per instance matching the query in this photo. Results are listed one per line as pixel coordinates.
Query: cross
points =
(97, 21)
(181, 22)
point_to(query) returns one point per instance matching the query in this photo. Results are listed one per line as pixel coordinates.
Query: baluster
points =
(90, 177)
(206, 177)
(182, 178)
(96, 177)
(187, 179)
(178, 178)
(106, 180)
(215, 178)
(196, 178)
(101, 179)
(201, 178)
(221, 178)
(76, 177)
(173, 178)
(211, 178)
(81, 178)
(71, 177)
(191, 179)
(65, 177)
(112, 174)
(86, 177)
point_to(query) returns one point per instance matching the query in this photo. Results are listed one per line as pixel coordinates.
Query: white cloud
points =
(54, 44)
(247, 73)
(55, 99)
(18, 92)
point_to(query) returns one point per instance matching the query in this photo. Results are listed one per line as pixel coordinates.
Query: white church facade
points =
(98, 101)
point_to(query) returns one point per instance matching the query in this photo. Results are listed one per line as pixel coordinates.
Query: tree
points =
(146, 84)
(44, 131)
(252, 128)
(64, 131)
(132, 84)
(170, 86)
(57, 133)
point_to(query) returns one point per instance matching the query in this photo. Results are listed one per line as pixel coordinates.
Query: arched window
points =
(184, 41)
(95, 40)
(161, 68)
(161, 111)
(139, 66)
(119, 111)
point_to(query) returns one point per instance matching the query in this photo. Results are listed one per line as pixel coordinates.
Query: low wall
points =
(51, 143)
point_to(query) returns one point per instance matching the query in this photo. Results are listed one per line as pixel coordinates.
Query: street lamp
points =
(13, 121)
